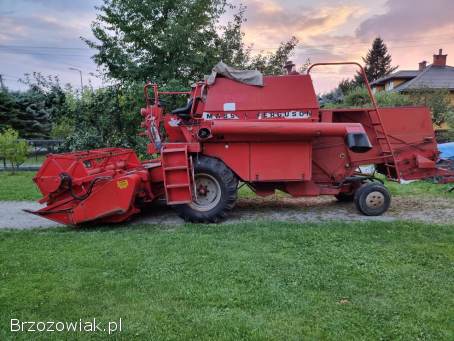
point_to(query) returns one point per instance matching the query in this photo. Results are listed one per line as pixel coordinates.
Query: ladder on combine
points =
(389, 157)
(177, 173)
(385, 145)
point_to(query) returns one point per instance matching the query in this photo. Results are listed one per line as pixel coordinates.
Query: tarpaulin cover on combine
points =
(250, 77)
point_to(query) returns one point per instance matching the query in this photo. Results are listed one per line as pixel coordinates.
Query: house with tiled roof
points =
(437, 75)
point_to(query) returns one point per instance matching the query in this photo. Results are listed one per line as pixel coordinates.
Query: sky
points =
(44, 35)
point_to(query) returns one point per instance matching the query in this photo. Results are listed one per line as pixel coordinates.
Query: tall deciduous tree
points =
(160, 39)
(167, 40)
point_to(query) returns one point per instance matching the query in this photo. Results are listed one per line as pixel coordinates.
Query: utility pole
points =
(79, 111)
(2, 85)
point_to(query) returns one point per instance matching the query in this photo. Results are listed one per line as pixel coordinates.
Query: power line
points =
(45, 54)
(44, 47)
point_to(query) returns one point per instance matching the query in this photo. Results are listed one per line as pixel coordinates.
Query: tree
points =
(8, 110)
(233, 51)
(273, 63)
(437, 100)
(51, 94)
(32, 119)
(168, 40)
(162, 39)
(110, 118)
(12, 148)
(377, 62)
(346, 85)
(30, 112)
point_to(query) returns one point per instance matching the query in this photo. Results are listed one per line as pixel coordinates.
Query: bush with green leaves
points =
(438, 100)
(12, 148)
(358, 97)
(63, 128)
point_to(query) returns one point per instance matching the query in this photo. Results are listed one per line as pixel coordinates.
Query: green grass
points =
(261, 281)
(422, 188)
(18, 186)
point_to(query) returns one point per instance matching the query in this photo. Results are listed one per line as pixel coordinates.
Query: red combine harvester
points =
(270, 137)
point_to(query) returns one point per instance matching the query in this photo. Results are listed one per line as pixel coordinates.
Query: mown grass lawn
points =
(277, 281)
(19, 186)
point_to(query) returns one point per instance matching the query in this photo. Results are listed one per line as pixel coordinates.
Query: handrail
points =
(363, 75)
(374, 103)
(157, 93)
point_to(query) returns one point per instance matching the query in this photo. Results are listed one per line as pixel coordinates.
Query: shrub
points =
(437, 100)
(359, 97)
(392, 99)
(63, 128)
(12, 148)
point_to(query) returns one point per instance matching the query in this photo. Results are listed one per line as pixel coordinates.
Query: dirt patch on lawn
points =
(432, 210)
(435, 210)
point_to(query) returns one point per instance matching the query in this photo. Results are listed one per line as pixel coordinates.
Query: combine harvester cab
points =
(269, 134)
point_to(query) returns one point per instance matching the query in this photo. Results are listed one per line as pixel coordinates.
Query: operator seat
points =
(184, 112)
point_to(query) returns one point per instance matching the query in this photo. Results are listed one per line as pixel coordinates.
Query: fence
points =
(42, 147)
(37, 148)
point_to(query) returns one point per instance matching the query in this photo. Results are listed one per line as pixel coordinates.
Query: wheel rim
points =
(208, 192)
(375, 199)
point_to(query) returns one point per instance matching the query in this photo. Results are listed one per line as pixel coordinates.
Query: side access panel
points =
(265, 161)
(286, 161)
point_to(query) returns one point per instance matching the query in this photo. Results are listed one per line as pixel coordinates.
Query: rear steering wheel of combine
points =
(372, 199)
(215, 192)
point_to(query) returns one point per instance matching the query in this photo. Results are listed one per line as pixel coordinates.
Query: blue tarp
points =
(446, 150)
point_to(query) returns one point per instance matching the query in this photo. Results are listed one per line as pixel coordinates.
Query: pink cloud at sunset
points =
(328, 30)
(340, 31)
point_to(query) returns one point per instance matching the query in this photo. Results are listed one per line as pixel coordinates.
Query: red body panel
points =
(258, 161)
(281, 93)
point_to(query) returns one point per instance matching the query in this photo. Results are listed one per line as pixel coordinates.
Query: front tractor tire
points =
(216, 192)
(372, 199)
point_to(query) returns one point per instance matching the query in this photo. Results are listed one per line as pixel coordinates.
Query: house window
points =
(389, 86)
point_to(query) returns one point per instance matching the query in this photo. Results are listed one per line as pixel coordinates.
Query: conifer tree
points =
(377, 62)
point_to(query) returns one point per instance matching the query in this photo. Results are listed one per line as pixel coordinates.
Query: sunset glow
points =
(327, 30)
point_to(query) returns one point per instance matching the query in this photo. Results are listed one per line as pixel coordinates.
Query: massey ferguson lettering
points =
(226, 116)
(287, 115)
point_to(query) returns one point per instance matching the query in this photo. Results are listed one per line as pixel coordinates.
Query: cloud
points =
(65, 5)
(408, 18)
(34, 36)
(268, 22)
(43, 29)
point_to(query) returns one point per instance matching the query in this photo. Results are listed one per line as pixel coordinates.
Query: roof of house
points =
(435, 77)
(405, 74)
